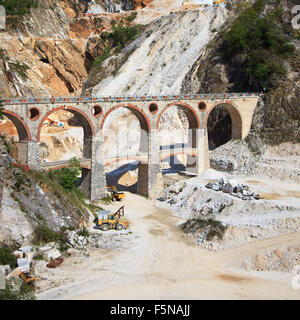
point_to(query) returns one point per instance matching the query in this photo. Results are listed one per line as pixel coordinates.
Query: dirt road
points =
(164, 264)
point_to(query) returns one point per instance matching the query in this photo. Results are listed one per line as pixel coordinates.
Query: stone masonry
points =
(29, 115)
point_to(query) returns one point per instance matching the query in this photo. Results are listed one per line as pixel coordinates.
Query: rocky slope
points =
(278, 119)
(27, 201)
(53, 57)
(245, 219)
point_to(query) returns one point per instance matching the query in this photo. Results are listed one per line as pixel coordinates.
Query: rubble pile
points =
(240, 191)
(77, 241)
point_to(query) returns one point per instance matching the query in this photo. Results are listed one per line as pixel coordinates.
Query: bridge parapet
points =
(90, 99)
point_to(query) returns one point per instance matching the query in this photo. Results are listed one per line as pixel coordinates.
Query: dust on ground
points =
(160, 262)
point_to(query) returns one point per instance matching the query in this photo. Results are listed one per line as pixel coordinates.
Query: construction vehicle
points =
(120, 196)
(106, 220)
(27, 278)
(219, 1)
(53, 123)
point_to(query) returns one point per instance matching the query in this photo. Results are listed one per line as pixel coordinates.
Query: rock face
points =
(24, 205)
(213, 73)
(158, 60)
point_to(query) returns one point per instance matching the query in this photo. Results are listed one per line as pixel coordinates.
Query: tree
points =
(68, 177)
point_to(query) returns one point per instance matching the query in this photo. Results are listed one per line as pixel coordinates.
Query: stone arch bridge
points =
(29, 115)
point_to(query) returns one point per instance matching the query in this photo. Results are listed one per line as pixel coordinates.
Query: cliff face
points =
(279, 119)
(52, 63)
(52, 48)
(158, 60)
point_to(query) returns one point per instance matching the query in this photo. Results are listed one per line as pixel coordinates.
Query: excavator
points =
(107, 220)
(28, 279)
(120, 196)
(219, 1)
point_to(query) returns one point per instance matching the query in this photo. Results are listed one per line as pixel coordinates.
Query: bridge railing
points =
(62, 162)
(202, 96)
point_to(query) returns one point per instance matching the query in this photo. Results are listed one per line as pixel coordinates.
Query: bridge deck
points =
(71, 99)
(142, 157)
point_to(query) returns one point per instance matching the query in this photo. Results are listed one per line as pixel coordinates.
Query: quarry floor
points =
(162, 263)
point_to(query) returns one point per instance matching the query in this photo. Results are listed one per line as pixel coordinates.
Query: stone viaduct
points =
(29, 115)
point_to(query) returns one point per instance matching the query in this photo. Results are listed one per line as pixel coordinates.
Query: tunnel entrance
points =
(219, 127)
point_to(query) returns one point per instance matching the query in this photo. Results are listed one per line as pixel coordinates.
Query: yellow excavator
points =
(106, 220)
(120, 196)
(219, 1)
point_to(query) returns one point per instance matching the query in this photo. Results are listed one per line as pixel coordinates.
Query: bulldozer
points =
(116, 196)
(106, 220)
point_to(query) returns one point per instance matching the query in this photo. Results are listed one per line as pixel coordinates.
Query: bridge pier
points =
(199, 162)
(97, 173)
(149, 175)
(29, 153)
(202, 159)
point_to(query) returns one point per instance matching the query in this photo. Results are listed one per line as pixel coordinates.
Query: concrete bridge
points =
(29, 115)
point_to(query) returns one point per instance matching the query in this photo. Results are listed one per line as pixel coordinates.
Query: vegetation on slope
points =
(17, 289)
(18, 7)
(7, 257)
(258, 50)
(116, 40)
(260, 37)
(208, 228)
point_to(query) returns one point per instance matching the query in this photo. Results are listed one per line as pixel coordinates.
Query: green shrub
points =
(6, 257)
(106, 53)
(19, 68)
(131, 17)
(17, 289)
(211, 227)
(68, 177)
(117, 39)
(261, 39)
(18, 7)
(43, 234)
(83, 232)
(106, 200)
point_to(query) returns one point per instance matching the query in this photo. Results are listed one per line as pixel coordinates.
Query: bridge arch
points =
(21, 126)
(139, 113)
(86, 123)
(236, 119)
(192, 116)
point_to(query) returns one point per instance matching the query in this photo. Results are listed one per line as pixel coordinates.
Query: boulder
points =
(51, 254)
(227, 188)
(215, 187)
(5, 269)
(23, 264)
(26, 249)
(14, 274)
(209, 185)
(18, 254)
(223, 181)
(41, 250)
(30, 255)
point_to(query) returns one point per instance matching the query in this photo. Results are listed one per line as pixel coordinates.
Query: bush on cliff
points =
(68, 177)
(18, 7)
(259, 40)
(6, 257)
